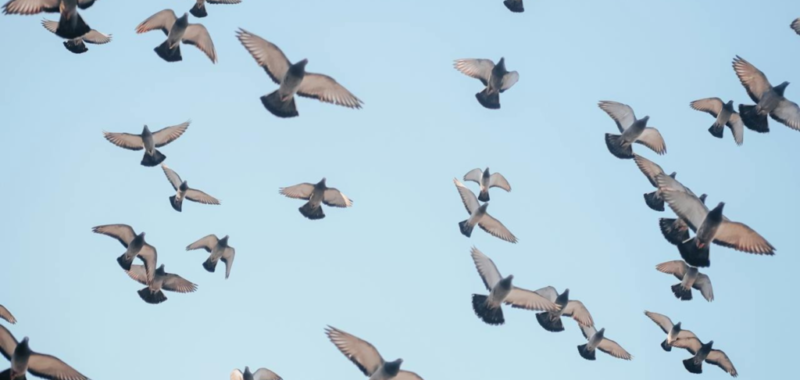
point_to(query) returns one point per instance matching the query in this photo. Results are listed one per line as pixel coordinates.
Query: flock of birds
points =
(709, 226)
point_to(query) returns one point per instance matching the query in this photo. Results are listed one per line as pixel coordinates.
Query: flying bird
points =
(78, 45)
(366, 357)
(675, 230)
(495, 77)
(199, 8)
(633, 131)
(690, 278)
(709, 226)
(148, 141)
(501, 291)
(676, 337)
(650, 170)
(260, 374)
(293, 79)
(184, 191)
(769, 100)
(70, 25)
(598, 341)
(134, 244)
(315, 195)
(487, 181)
(514, 5)
(219, 250)
(24, 360)
(551, 320)
(153, 293)
(705, 352)
(724, 114)
(5, 314)
(478, 215)
(178, 30)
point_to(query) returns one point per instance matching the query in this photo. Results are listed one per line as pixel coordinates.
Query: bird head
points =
(161, 269)
(673, 175)
(322, 182)
(22, 347)
(645, 119)
(506, 282)
(781, 88)
(146, 130)
(703, 198)
(246, 370)
(483, 207)
(709, 344)
(224, 241)
(184, 186)
(718, 209)
(729, 105)
(486, 172)
(303, 63)
(501, 63)
(392, 368)
(601, 332)
(183, 20)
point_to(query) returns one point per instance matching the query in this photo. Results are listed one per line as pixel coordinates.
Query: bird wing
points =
(149, 257)
(672, 183)
(578, 311)
(614, 349)
(510, 79)
(51, 367)
(474, 175)
(719, 359)
(587, 331)
(262, 373)
(30, 7)
(649, 168)
(169, 134)
(661, 320)
(138, 274)
(652, 139)
(301, 191)
(236, 374)
(407, 375)
(7, 343)
(5, 314)
(335, 198)
(621, 113)
(469, 199)
(486, 268)
(703, 284)
(97, 38)
(162, 20)
(548, 292)
(685, 204)
(328, 90)
(208, 243)
(125, 140)
(753, 80)
(787, 113)
(201, 197)
(175, 283)
(51, 26)
(227, 258)
(496, 229)
(480, 69)
(497, 180)
(266, 54)
(360, 352)
(691, 344)
(742, 238)
(197, 35)
(737, 127)
(676, 267)
(172, 176)
(528, 300)
(710, 105)
(122, 232)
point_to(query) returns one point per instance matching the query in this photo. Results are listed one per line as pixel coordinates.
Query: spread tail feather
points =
(514, 6)
(77, 47)
(666, 346)
(489, 100)
(278, 107)
(198, 11)
(124, 262)
(618, 147)
(654, 201)
(693, 367)
(311, 212)
(694, 256)
(71, 29)
(153, 298)
(585, 353)
(552, 325)
(488, 314)
(484, 195)
(177, 204)
(167, 54)
(153, 160)
(210, 265)
(682, 293)
(752, 119)
(716, 130)
(466, 229)
(672, 233)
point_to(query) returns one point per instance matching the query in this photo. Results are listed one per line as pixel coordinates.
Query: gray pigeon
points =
(260, 374)
(495, 77)
(514, 5)
(769, 100)
(316, 195)
(134, 244)
(219, 250)
(5, 314)
(184, 191)
(650, 170)
(675, 230)
(478, 216)
(178, 30)
(24, 360)
(724, 114)
(705, 352)
(690, 278)
(70, 25)
(676, 337)
(366, 357)
(78, 45)
(148, 141)
(199, 8)
(292, 79)
(633, 131)
(487, 181)
(598, 341)
(551, 320)
(153, 293)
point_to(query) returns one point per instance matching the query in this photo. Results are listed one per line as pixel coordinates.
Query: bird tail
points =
(618, 147)
(210, 265)
(153, 160)
(666, 346)
(167, 54)
(752, 119)
(198, 11)
(694, 256)
(549, 324)
(153, 298)
(466, 229)
(176, 203)
(671, 232)
(124, 262)
(682, 293)
(693, 366)
(514, 6)
(312, 212)
(716, 130)
(71, 29)
(487, 313)
(278, 107)
(490, 100)
(586, 353)
(76, 46)
(655, 201)
(483, 196)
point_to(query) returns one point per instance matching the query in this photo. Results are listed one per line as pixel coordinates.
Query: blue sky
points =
(393, 269)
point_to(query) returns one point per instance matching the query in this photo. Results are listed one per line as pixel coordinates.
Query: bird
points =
(366, 357)
(487, 181)
(315, 195)
(219, 250)
(709, 226)
(478, 215)
(598, 341)
(5, 314)
(148, 141)
(514, 5)
(78, 45)
(178, 30)
(650, 169)
(502, 291)
(704, 352)
(184, 191)
(675, 230)
(796, 25)
(495, 77)
(769, 100)
(632, 129)
(199, 8)
(260, 374)
(293, 79)
(676, 337)
(134, 244)
(551, 320)
(690, 278)
(24, 360)
(70, 24)
(153, 293)
(724, 114)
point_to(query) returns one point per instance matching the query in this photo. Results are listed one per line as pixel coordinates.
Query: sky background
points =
(394, 269)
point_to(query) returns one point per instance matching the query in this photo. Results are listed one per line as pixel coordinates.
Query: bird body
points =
(486, 180)
(690, 278)
(182, 190)
(367, 358)
(769, 100)
(316, 195)
(218, 249)
(479, 217)
(704, 352)
(162, 280)
(596, 340)
(724, 114)
(177, 30)
(551, 320)
(135, 246)
(495, 77)
(148, 141)
(632, 130)
(673, 331)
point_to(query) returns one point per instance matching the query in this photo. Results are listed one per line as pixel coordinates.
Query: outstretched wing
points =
(360, 352)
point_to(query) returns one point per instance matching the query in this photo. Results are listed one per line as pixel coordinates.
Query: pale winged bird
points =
(501, 291)
(184, 191)
(148, 141)
(153, 293)
(70, 25)
(514, 5)
(218, 249)
(478, 216)
(769, 100)
(134, 244)
(199, 8)
(676, 337)
(259, 374)
(690, 278)
(178, 30)
(5, 314)
(675, 230)
(495, 77)
(487, 181)
(366, 357)
(316, 195)
(724, 114)
(78, 45)
(633, 131)
(292, 79)
(650, 170)
(598, 341)
(551, 320)
(705, 352)
(24, 360)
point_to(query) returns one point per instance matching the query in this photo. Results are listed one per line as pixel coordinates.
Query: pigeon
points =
(178, 30)
(153, 294)
(796, 25)
(551, 320)
(478, 215)
(260, 374)
(316, 194)
(690, 278)
(135, 244)
(184, 191)
(673, 331)
(514, 5)
(705, 352)
(78, 45)
(708, 225)
(219, 250)
(598, 341)
(366, 357)
(632, 129)
(769, 100)
(5, 314)
(725, 116)
(487, 181)
(489, 308)
(495, 77)
(148, 141)
(70, 25)
(675, 230)
(199, 8)
(650, 169)
(24, 360)
(293, 79)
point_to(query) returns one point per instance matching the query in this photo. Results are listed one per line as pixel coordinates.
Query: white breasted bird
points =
(134, 244)
(199, 8)
(487, 181)
(178, 30)
(148, 141)
(316, 195)
(219, 250)
(690, 278)
(551, 320)
(259, 374)
(366, 357)
(153, 293)
(78, 45)
(674, 332)
(769, 100)
(24, 360)
(598, 341)
(495, 77)
(479, 217)
(632, 130)
(724, 114)
(184, 191)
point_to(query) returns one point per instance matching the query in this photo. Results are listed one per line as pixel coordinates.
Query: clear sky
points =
(394, 268)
